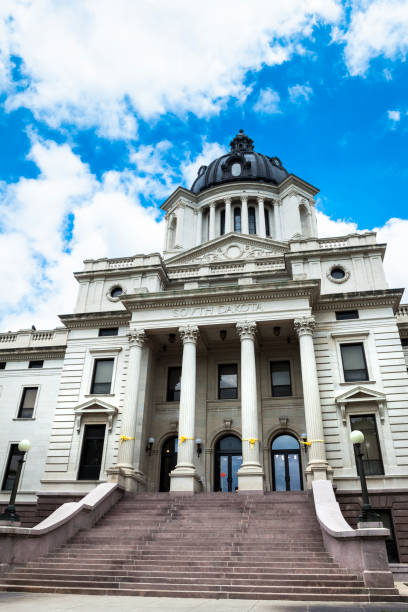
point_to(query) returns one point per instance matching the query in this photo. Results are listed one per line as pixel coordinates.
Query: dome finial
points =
(242, 142)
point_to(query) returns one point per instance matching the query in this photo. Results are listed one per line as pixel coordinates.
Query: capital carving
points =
(136, 337)
(189, 333)
(304, 325)
(227, 201)
(244, 199)
(260, 200)
(246, 330)
(212, 205)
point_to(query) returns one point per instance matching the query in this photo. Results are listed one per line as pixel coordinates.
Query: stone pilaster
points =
(211, 232)
(184, 477)
(250, 474)
(199, 226)
(125, 470)
(317, 467)
(244, 215)
(228, 217)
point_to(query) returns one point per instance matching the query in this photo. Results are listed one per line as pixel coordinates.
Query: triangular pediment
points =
(95, 405)
(360, 394)
(231, 247)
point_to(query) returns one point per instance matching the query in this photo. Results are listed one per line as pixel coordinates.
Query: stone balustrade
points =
(27, 338)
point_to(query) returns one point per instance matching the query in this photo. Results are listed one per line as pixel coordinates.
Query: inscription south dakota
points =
(219, 309)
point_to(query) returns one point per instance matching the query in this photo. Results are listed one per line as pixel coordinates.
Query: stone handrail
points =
(22, 544)
(363, 550)
(402, 310)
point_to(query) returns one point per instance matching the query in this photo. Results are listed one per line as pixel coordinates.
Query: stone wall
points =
(396, 501)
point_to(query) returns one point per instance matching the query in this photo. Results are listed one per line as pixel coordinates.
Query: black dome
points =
(242, 163)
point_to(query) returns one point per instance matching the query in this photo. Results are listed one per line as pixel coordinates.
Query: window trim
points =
(111, 352)
(290, 374)
(94, 367)
(360, 380)
(20, 399)
(353, 338)
(90, 421)
(227, 399)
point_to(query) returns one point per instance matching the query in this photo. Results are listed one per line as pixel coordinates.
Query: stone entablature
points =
(33, 339)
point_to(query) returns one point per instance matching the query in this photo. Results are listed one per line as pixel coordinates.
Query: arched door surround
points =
(168, 461)
(227, 461)
(286, 463)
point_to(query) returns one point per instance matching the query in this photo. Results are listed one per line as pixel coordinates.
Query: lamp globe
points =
(357, 437)
(24, 446)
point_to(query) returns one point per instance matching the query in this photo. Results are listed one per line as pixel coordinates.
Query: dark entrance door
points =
(168, 462)
(92, 451)
(228, 459)
(286, 467)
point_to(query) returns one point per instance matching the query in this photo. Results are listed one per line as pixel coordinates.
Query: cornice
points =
(260, 292)
(21, 353)
(324, 253)
(180, 191)
(122, 272)
(95, 319)
(360, 299)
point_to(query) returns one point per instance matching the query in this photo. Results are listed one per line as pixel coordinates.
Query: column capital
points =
(136, 337)
(244, 198)
(189, 333)
(260, 199)
(304, 326)
(212, 204)
(246, 330)
(227, 200)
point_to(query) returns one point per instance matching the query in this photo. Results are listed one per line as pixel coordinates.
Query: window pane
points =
(228, 381)
(344, 315)
(294, 472)
(108, 331)
(251, 220)
(27, 403)
(285, 442)
(2, 365)
(174, 384)
(222, 222)
(36, 364)
(392, 550)
(237, 219)
(280, 374)
(267, 226)
(12, 465)
(102, 376)
(279, 472)
(370, 447)
(354, 364)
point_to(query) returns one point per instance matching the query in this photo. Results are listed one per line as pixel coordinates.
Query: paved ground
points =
(30, 602)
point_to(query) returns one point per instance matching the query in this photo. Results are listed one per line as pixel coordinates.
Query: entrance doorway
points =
(228, 459)
(286, 465)
(168, 462)
(92, 452)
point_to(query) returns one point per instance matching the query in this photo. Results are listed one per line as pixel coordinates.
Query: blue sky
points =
(106, 107)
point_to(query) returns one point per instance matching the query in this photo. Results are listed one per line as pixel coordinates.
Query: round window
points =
(337, 273)
(236, 169)
(116, 292)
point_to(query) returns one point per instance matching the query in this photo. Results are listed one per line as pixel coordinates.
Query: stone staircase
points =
(213, 545)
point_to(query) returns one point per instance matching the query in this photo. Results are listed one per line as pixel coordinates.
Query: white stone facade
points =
(219, 296)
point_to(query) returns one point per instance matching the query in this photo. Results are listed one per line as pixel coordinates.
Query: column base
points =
(318, 470)
(133, 481)
(250, 479)
(185, 480)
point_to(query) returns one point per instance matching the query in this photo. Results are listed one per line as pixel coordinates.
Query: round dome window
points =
(116, 292)
(337, 273)
(236, 169)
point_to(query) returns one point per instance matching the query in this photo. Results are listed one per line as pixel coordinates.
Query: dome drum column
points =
(228, 217)
(211, 233)
(261, 218)
(244, 215)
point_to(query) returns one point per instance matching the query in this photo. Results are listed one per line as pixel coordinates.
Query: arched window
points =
(237, 219)
(222, 222)
(251, 220)
(267, 224)
(172, 232)
(304, 221)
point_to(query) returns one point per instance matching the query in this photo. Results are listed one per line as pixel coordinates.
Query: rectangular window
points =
(27, 403)
(108, 331)
(174, 384)
(228, 381)
(37, 363)
(344, 315)
(354, 363)
(404, 341)
(102, 376)
(2, 365)
(370, 447)
(392, 550)
(11, 469)
(280, 376)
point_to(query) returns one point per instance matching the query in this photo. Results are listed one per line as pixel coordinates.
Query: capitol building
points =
(237, 361)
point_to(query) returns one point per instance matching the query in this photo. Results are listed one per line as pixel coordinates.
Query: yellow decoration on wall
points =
(124, 438)
(184, 438)
(251, 441)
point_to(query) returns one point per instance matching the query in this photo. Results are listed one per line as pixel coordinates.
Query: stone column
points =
(250, 474)
(179, 227)
(199, 226)
(184, 477)
(228, 218)
(317, 467)
(211, 234)
(261, 217)
(125, 463)
(244, 215)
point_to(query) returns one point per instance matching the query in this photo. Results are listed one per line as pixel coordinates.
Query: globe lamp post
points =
(368, 515)
(10, 514)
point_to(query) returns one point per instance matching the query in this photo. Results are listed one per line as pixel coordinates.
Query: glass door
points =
(168, 462)
(286, 468)
(228, 460)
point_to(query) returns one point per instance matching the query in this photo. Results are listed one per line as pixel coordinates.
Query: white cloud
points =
(35, 264)
(268, 102)
(189, 168)
(97, 63)
(378, 27)
(394, 233)
(300, 93)
(394, 115)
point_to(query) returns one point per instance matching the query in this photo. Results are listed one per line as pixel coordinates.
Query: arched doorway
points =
(227, 461)
(168, 462)
(286, 465)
